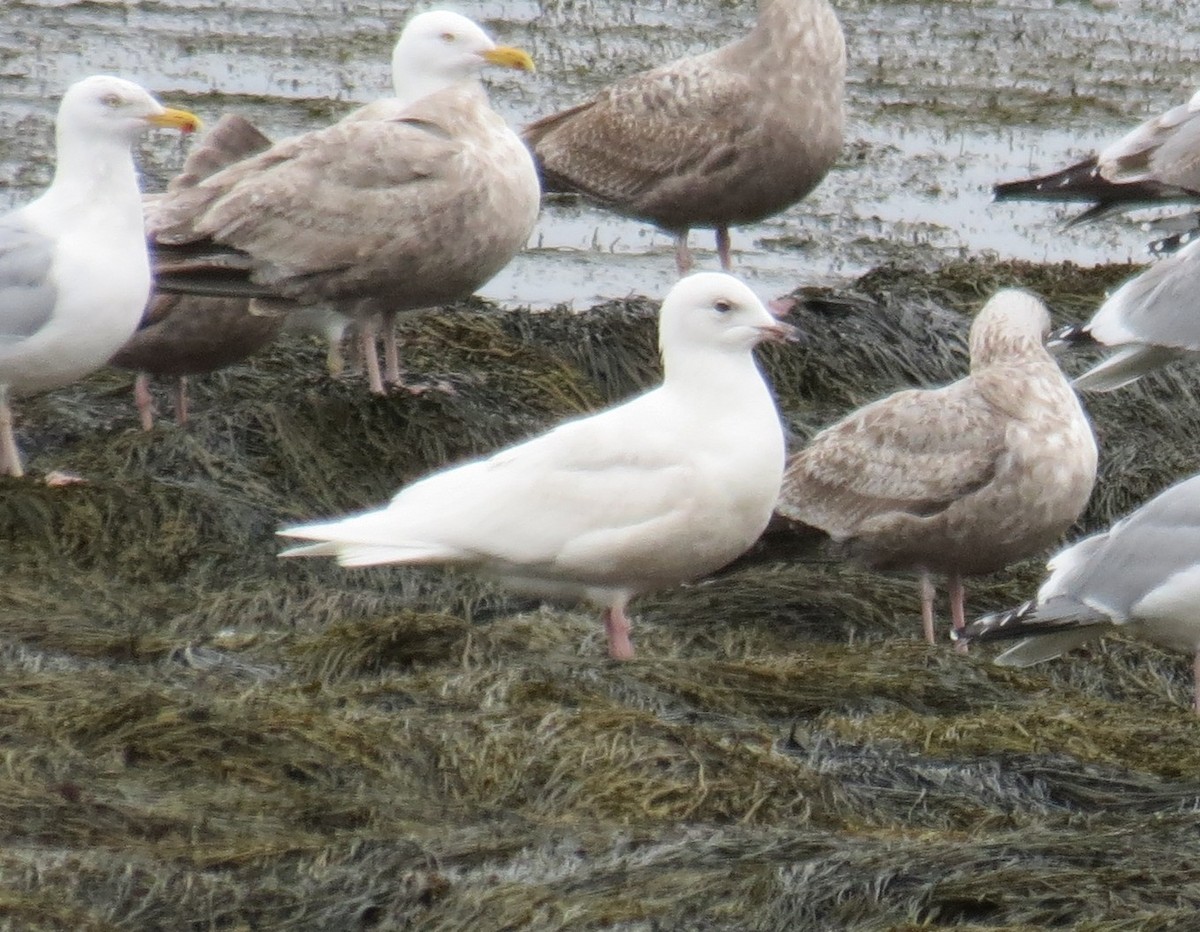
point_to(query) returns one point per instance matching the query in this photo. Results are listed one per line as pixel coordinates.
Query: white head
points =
(440, 49)
(106, 107)
(1012, 324)
(715, 312)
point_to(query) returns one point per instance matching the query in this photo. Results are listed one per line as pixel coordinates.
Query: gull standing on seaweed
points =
(960, 480)
(74, 274)
(1142, 576)
(183, 335)
(1150, 320)
(407, 203)
(724, 138)
(664, 488)
(1157, 162)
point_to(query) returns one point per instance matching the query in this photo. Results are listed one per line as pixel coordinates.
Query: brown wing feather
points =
(915, 452)
(642, 141)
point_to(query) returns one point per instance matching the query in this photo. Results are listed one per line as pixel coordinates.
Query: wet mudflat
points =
(196, 735)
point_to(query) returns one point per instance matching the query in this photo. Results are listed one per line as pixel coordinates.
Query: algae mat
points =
(199, 736)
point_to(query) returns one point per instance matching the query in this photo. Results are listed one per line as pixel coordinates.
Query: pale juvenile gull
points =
(184, 335)
(664, 488)
(960, 480)
(724, 138)
(1142, 576)
(407, 203)
(1157, 162)
(74, 274)
(1149, 321)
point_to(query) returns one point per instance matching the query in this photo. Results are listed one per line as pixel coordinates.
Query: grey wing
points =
(27, 292)
(681, 121)
(915, 452)
(1157, 307)
(1140, 553)
(1163, 150)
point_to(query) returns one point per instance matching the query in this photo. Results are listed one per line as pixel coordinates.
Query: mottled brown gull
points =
(1141, 576)
(407, 203)
(724, 138)
(960, 480)
(1149, 321)
(1156, 162)
(664, 488)
(185, 335)
(74, 275)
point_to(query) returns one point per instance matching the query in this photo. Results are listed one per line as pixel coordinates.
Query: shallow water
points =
(943, 99)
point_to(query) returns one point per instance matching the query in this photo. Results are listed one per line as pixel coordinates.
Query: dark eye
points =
(448, 37)
(112, 101)
(723, 307)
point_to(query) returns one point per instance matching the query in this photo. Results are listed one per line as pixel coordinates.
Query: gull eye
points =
(723, 307)
(112, 101)
(448, 37)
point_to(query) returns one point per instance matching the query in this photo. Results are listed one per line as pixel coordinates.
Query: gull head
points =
(1013, 323)
(440, 49)
(106, 107)
(713, 310)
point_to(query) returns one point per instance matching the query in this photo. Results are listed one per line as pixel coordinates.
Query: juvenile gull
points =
(74, 275)
(1157, 162)
(1142, 575)
(409, 202)
(960, 480)
(183, 335)
(1149, 321)
(661, 489)
(716, 140)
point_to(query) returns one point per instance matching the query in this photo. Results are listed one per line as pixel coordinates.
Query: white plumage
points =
(664, 488)
(74, 274)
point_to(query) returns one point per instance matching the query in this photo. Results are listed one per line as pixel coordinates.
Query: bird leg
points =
(616, 625)
(144, 400)
(958, 615)
(366, 337)
(10, 456)
(1196, 683)
(391, 352)
(723, 248)
(925, 587)
(181, 401)
(683, 255)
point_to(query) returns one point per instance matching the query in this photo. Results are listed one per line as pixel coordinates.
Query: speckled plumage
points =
(723, 138)
(406, 203)
(959, 480)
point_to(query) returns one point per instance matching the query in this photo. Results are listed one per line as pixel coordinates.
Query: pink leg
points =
(391, 352)
(958, 613)
(723, 249)
(683, 255)
(616, 624)
(144, 400)
(10, 456)
(926, 588)
(366, 338)
(1196, 683)
(181, 401)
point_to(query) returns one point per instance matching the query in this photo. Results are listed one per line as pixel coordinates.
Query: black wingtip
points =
(998, 626)
(1072, 337)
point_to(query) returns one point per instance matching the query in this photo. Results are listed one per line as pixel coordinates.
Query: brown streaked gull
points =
(658, 490)
(1149, 321)
(1154, 163)
(960, 480)
(184, 335)
(407, 203)
(719, 139)
(74, 274)
(1141, 576)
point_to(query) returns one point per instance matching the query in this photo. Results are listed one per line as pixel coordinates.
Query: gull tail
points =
(358, 541)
